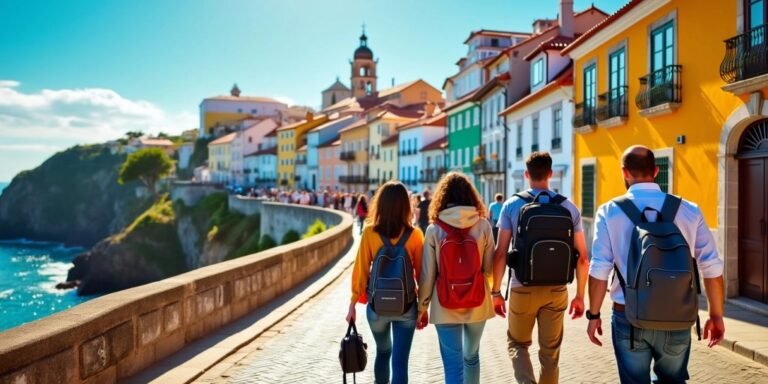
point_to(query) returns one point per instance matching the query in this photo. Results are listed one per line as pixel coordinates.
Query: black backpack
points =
(543, 252)
(662, 283)
(353, 354)
(391, 286)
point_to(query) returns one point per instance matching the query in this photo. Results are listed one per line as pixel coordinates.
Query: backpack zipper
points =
(570, 252)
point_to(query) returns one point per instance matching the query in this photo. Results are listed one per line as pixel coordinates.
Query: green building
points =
(464, 137)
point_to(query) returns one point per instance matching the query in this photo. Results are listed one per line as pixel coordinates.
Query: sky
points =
(81, 71)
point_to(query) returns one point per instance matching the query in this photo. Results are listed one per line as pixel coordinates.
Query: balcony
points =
(612, 107)
(745, 65)
(347, 156)
(584, 117)
(353, 179)
(297, 178)
(266, 180)
(373, 181)
(557, 144)
(660, 91)
(301, 162)
(431, 175)
(374, 156)
(519, 152)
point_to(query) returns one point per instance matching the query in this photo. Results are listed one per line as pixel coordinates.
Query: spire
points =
(235, 91)
(363, 38)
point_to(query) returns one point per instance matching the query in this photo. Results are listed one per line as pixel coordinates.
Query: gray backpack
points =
(662, 282)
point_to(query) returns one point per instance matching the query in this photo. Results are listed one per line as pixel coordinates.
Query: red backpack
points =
(460, 282)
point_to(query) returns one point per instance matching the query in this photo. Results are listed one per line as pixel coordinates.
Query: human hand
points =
(577, 307)
(499, 306)
(595, 325)
(351, 314)
(422, 320)
(714, 330)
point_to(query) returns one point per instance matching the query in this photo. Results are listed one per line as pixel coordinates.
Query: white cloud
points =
(84, 115)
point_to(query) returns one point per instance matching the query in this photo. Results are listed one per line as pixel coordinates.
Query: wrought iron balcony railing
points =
(660, 87)
(584, 114)
(347, 156)
(353, 179)
(432, 175)
(746, 55)
(612, 104)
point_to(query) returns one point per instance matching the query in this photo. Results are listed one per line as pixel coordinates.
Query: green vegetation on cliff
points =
(73, 197)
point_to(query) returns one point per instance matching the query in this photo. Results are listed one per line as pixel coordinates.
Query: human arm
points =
(360, 273)
(711, 268)
(600, 269)
(499, 265)
(582, 272)
(428, 270)
(714, 328)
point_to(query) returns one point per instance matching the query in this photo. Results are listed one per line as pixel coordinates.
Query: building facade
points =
(434, 163)
(354, 154)
(219, 158)
(330, 167)
(234, 107)
(289, 139)
(324, 134)
(464, 137)
(649, 75)
(414, 136)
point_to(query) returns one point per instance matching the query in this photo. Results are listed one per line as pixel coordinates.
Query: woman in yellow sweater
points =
(457, 207)
(390, 218)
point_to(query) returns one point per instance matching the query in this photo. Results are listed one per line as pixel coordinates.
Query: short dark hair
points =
(539, 165)
(640, 162)
(499, 197)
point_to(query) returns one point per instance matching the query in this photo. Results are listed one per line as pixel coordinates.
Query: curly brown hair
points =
(390, 210)
(452, 190)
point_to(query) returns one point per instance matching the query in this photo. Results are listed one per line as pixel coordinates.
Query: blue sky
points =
(81, 71)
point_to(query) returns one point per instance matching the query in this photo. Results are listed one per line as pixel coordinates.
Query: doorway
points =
(753, 212)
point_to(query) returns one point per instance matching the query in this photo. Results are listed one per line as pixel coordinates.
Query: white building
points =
(261, 165)
(321, 135)
(434, 163)
(413, 166)
(492, 164)
(185, 153)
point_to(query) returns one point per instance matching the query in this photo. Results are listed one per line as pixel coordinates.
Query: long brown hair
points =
(390, 211)
(452, 190)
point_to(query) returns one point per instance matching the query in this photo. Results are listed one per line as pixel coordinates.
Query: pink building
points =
(330, 166)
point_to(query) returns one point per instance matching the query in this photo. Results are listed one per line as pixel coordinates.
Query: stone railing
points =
(117, 335)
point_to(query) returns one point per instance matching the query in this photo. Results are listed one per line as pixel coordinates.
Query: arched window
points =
(755, 138)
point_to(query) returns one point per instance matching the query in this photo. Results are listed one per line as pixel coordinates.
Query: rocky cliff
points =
(73, 198)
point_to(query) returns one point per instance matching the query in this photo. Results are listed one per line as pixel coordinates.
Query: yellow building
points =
(220, 158)
(388, 167)
(650, 75)
(289, 139)
(388, 119)
(219, 110)
(354, 152)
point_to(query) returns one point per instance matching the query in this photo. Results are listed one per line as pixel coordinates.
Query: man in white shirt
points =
(669, 350)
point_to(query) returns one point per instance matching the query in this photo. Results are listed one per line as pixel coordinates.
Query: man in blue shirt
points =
(544, 305)
(669, 349)
(494, 212)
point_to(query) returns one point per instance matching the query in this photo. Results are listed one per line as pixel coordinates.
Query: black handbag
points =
(352, 354)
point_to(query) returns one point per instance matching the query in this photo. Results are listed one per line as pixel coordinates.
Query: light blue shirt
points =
(511, 210)
(495, 209)
(613, 230)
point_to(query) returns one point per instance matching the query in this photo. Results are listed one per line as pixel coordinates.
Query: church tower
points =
(363, 80)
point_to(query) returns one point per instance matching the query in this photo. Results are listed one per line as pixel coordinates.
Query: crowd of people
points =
(441, 260)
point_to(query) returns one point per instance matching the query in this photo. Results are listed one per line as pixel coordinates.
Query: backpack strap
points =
(670, 208)
(558, 199)
(527, 196)
(629, 208)
(404, 238)
(385, 240)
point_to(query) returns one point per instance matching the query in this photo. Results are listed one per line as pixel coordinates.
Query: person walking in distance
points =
(494, 212)
(549, 249)
(456, 266)
(655, 303)
(386, 269)
(361, 210)
(422, 211)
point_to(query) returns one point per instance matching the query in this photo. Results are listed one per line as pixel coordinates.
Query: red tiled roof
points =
(564, 78)
(224, 139)
(438, 120)
(499, 80)
(391, 140)
(441, 143)
(554, 43)
(601, 25)
(356, 124)
(491, 32)
(468, 97)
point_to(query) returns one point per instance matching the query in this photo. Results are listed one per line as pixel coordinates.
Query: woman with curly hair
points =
(457, 211)
(389, 219)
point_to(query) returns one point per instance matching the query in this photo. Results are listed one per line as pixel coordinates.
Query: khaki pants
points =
(527, 306)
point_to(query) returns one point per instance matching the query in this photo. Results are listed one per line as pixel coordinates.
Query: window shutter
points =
(663, 177)
(588, 190)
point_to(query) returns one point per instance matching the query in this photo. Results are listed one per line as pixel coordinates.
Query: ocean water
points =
(2, 186)
(29, 273)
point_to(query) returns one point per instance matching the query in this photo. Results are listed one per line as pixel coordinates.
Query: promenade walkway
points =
(303, 348)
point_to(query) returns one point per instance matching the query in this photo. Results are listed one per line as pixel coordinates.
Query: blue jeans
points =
(460, 350)
(384, 330)
(669, 351)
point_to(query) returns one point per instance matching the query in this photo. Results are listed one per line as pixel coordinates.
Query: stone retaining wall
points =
(120, 334)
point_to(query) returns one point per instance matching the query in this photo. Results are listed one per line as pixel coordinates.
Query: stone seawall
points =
(190, 193)
(277, 218)
(120, 334)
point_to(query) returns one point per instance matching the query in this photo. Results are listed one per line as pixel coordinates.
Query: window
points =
(494, 42)
(467, 117)
(477, 115)
(588, 190)
(590, 88)
(663, 179)
(662, 50)
(755, 16)
(519, 151)
(254, 111)
(239, 110)
(537, 72)
(617, 73)
(557, 126)
(535, 133)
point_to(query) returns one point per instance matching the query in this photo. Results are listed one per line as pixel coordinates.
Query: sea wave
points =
(6, 293)
(55, 246)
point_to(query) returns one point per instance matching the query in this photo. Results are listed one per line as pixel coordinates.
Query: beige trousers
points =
(528, 306)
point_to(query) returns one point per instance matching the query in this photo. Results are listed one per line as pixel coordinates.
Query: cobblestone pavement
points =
(303, 348)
